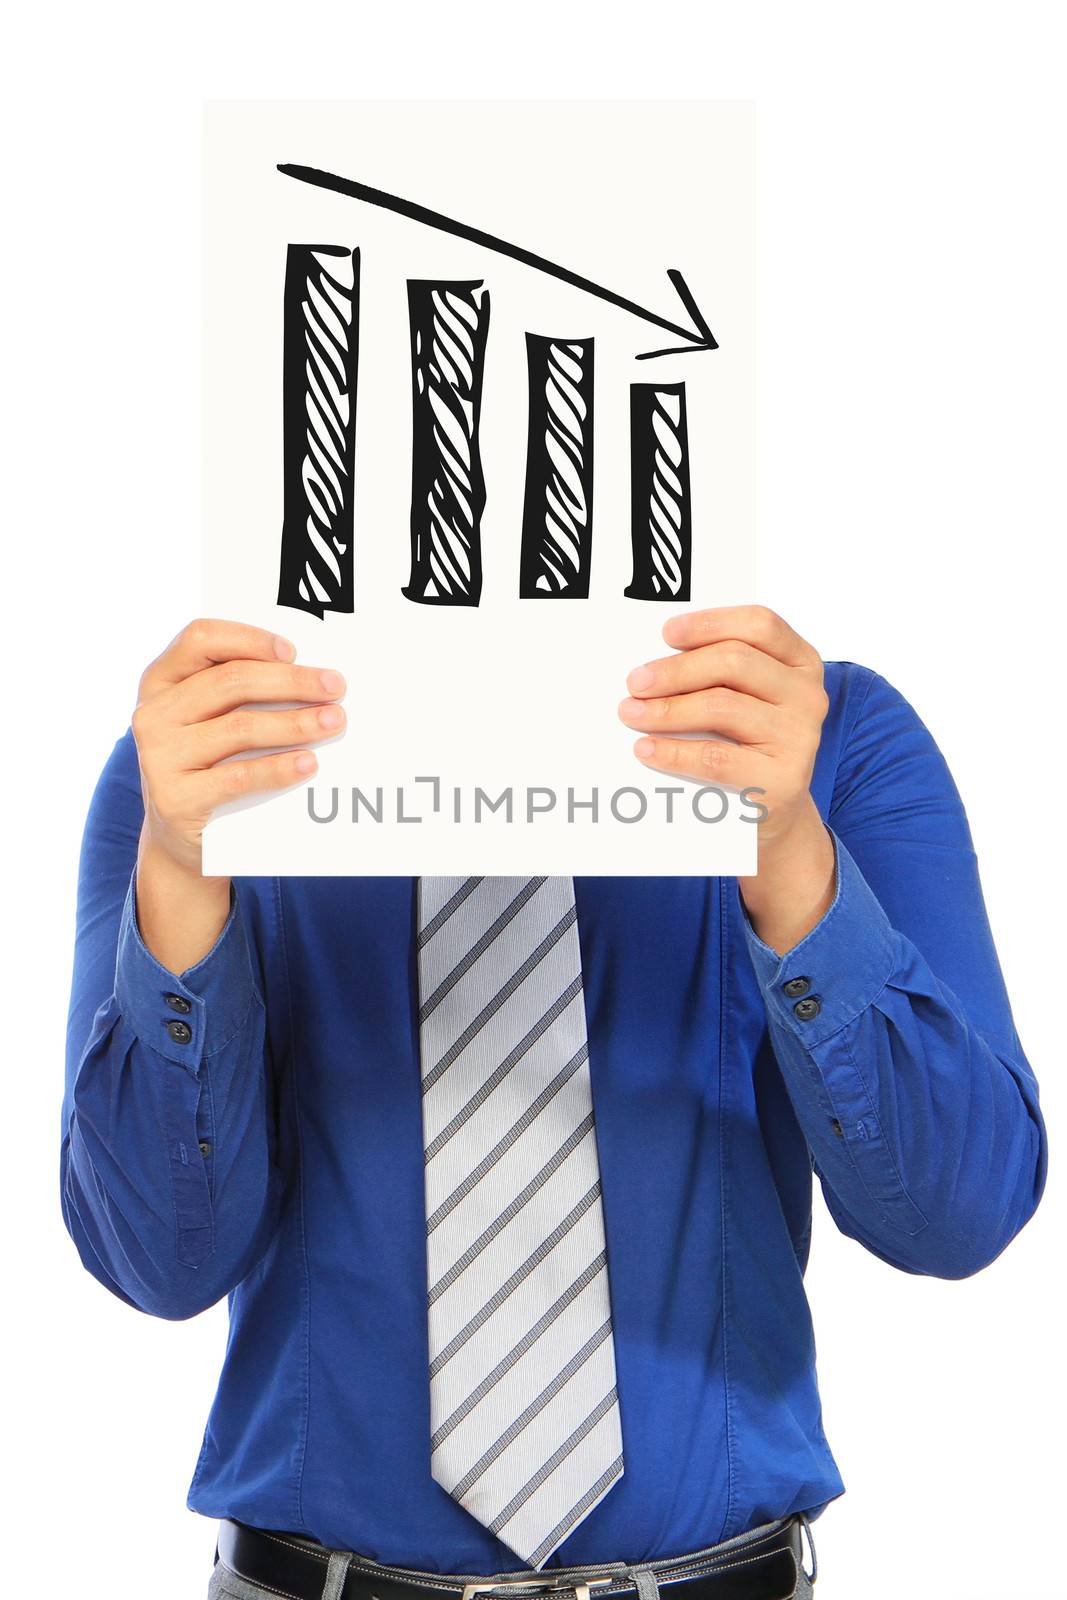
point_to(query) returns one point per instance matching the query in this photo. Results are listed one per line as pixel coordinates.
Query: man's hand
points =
(193, 710)
(742, 673)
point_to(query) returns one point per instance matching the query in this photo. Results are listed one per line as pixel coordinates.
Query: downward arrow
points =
(698, 337)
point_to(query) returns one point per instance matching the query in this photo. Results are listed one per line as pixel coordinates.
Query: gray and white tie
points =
(523, 1403)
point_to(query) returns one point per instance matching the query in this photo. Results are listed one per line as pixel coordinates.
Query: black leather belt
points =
(764, 1567)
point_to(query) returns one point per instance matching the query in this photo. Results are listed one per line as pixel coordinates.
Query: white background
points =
(616, 193)
(912, 351)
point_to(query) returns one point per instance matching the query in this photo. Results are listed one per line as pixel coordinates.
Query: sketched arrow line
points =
(699, 337)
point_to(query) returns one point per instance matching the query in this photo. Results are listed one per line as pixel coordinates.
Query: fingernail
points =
(305, 762)
(332, 682)
(284, 649)
(632, 708)
(645, 748)
(331, 717)
(641, 678)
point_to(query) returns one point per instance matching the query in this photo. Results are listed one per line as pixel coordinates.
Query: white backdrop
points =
(911, 329)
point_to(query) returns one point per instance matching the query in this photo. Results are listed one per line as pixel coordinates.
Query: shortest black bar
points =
(660, 512)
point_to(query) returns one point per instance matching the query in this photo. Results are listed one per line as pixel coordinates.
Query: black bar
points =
(449, 324)
(557, 520)
(319, 378)
(660, 512)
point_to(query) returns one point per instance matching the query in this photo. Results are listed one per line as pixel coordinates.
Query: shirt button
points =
(205, 1148)
(804, 1010)
(796, 987)
(178, 1002)
(180, 1032)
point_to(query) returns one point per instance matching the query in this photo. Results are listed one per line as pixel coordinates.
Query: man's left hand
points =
(742, 673)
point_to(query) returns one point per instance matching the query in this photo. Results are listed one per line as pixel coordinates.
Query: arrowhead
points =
(702, 337)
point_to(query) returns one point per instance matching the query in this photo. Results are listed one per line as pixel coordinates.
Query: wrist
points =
(184, 874)
(180, 913)
(794, 883)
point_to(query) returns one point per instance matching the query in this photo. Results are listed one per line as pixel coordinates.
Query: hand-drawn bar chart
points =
(449, 329)
(557, 523)
(320, 369)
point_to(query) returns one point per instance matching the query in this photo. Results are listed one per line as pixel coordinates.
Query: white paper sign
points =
(429, 435)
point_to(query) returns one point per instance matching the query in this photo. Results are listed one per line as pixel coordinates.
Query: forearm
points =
(940, 1160)
(167, 1186)
(924, 1129)
(179, 912)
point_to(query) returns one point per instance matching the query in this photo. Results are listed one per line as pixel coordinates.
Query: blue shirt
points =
(276, 1157)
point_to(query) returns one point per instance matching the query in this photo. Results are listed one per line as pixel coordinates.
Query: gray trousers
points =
(226, 1585)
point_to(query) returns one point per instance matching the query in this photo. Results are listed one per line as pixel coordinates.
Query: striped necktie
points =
(523, 1404)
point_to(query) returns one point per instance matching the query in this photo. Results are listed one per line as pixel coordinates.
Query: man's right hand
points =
(197, 704)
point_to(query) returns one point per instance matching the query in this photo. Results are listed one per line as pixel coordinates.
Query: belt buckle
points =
(581, 1587)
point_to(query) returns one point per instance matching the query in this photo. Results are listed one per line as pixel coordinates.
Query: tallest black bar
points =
(320, 368)
(449, 325)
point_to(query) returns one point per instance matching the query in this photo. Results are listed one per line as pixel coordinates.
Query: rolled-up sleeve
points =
(891, 1023)
(167, 1182)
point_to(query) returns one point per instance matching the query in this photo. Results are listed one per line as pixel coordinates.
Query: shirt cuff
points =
(837, 970)
(193, 1014)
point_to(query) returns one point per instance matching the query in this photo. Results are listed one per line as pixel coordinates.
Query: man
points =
(509, 1180)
